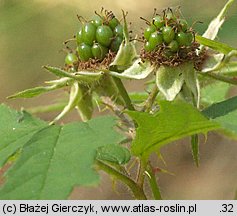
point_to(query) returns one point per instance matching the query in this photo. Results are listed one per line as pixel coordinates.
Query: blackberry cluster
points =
(168, 40)
(96, 39)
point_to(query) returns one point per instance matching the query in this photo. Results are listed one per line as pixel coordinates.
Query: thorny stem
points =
(117, 111)
(137, 191)
(153, 182)
(151, 99)
(123, 92)
(226, 79)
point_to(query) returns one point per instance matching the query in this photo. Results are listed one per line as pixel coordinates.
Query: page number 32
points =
(227, 208)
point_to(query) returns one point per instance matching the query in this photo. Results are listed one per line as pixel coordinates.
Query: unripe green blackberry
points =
(168, 38)
(171, 28)
(71, 59)
(99, 51)
(96, 38)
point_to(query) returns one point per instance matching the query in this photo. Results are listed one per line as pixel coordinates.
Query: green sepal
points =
(126, 55)
(107, 87)
(192, 83)
(33, 92)
(85, 104)
(169, 80)
(72, 103)
(127, 51)
(217, 22)
(215, 45)
(212, 62)
(80, 76)
(138, 70)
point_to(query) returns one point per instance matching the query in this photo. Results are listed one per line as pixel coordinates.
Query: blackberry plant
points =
(48, 159)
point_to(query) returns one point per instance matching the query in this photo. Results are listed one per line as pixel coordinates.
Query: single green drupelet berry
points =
(71, 59)
(104, 35)
(118, 30)
(155, 39)
(84, 52)
(79, 37)
(99, 51)
(190, 38)
(97, 20)
(170, 17)
(89, 33)
(158, 22)
(168, 34)
(149, 30)
(184, 39)
(113, 23)
(148, 47)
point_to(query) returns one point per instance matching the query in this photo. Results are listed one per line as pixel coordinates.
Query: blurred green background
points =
(32, 33)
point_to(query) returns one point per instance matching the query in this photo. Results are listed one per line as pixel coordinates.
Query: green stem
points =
(151, 99)
(123, 92)
(195, 148)
(153, 183)
(141, 173)
(137, 191)
(232, 81)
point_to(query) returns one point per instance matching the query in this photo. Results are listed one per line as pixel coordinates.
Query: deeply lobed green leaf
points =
(16, 129)
(53, 159)
(174, 121)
